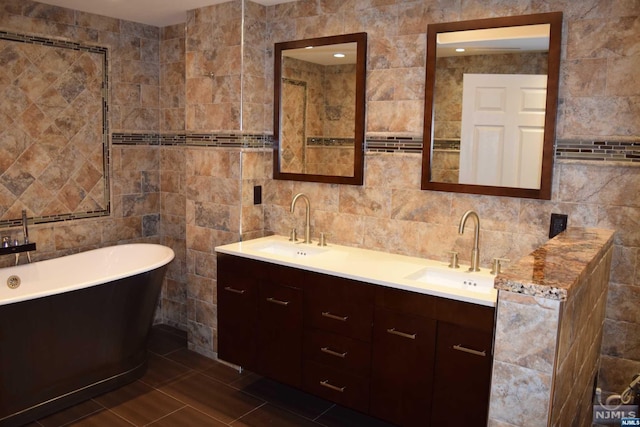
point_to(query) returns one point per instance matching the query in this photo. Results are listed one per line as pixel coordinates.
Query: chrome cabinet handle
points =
(326, 384)
(460, 347)
(333, 352)
(277, 301)
(235, 291)
(334, 316)
(401, 334)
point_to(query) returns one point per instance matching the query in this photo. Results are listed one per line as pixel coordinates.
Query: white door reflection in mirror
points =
(502, 131)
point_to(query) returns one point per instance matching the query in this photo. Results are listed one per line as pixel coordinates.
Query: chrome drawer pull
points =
(277, 301)
(334, 317)
(402, 334)
(235, 291)
(333, 352)
(469, 350)
(326, 384)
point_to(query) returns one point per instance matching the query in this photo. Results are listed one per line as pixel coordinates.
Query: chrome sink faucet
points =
(307, 216)
(475, 252)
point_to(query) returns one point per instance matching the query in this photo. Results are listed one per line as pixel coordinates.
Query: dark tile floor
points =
(183, 388)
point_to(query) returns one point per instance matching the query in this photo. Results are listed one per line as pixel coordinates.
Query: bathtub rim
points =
(166, 255)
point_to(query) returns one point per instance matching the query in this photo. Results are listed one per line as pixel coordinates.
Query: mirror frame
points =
(553, 78)
(361, 74)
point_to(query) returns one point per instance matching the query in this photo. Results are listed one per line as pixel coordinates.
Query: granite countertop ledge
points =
(552, 270)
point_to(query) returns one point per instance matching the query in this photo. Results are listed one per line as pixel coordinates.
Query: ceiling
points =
(159, 13)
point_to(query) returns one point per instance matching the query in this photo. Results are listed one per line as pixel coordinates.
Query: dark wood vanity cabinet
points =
(408, 358)
(260, 317)
(432, 360)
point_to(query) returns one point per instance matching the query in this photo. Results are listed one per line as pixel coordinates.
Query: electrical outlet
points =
(257, 194)
(558, 224)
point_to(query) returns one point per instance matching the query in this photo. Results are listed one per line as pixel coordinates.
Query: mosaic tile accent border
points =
(16, 37)
(625, 151)
(603, 151)
(446, 144)
(330, 142)
(394, 144)
(193, 139)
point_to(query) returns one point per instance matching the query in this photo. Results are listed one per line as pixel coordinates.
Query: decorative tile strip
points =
(51, 42)
(394, 144)
(337, 142)
(446, 144)
(135, 139)
(601, 151)
(194, 139)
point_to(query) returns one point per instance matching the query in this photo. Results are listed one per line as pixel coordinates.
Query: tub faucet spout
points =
(25, 230)
(475, 252)
(307, 216)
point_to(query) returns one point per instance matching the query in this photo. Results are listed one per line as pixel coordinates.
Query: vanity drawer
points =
(337, 351)
(337, 386)
(341, 306)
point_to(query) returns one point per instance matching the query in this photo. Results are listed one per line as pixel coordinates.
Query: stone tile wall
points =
(133, 106)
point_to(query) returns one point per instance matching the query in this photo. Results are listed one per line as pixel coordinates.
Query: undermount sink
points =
(478, 281)
(291, 250)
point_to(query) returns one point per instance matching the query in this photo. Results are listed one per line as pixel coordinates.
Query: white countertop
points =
(369, 266)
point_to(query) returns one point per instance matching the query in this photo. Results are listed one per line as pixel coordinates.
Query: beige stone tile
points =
(393, 171)
(255, 165)
(252, 218)
(604, 185)
(625, 264)
(343, 229)
(413, 17)
(526, 332)
(625, 219)
(418, 205)
(395, 117)
(584, 77)
(515, 383)
(82, 234)
(621, 78)
(476, 9)
(319, 26)
(622, 303)
(614, 373)
(365, 202)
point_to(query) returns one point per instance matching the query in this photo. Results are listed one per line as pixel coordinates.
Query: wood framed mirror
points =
(490, 105)
(319, 109)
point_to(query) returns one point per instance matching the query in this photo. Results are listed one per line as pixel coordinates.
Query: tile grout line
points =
(264, 402)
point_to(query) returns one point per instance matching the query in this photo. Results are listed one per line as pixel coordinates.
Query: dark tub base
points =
(60, 350)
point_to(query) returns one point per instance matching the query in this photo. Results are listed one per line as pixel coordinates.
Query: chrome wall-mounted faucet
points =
(475, 252)
(307, 216)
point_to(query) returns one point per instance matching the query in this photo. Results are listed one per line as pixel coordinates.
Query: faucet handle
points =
(6, 241)
(454, 259)
(293, 236)
(323, 240)
(496, 265)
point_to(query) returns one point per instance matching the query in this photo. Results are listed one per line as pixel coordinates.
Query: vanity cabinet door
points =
(280, 332)
(237, 293)
(462, 376)
(402, 367)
